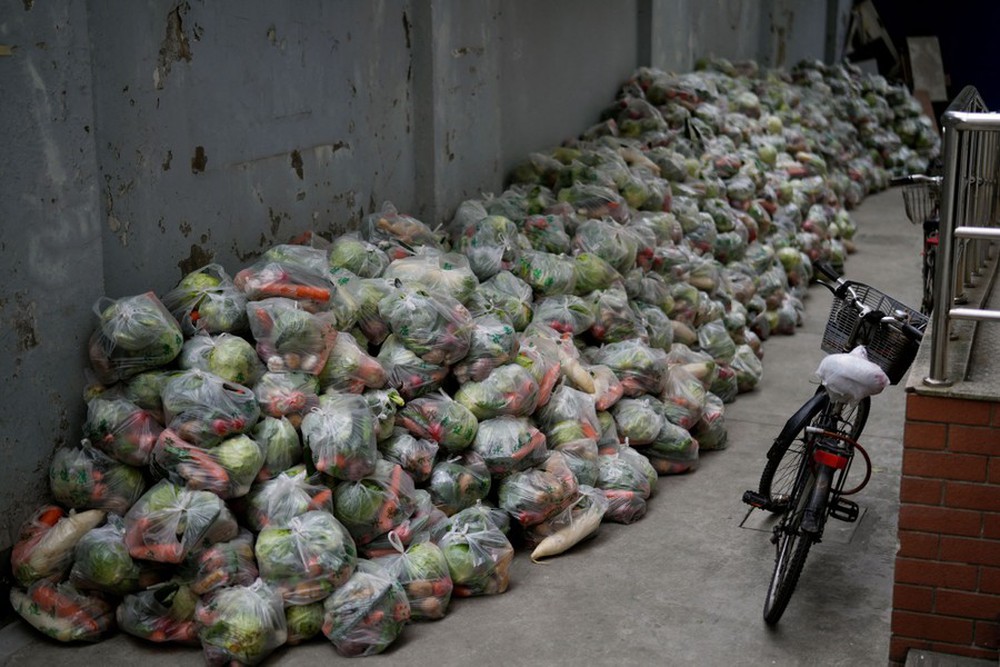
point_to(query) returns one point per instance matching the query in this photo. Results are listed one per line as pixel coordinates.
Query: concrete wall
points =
(146, 139)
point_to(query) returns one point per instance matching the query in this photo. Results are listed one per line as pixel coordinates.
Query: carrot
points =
(292, 291)
(441, 587)
(50, 516)
(57, 604)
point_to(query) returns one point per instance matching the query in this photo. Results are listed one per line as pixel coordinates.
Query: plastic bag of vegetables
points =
(291, 493)
(365, 295)
(145, 389)
(350, 369)
(509, 444)
(202, 408)
(417, 528)
(306, 559)
(376, 503)
(229, 563)
(280, 441)
(63, 613)
(547, 233)
(86, 478)
(593, 273)
(547, 274)
(227, 469)
(121, 429)
(340, 436)
(439, 418)
(566, 313)
(351, 252)
(540, 357)
(625, 488)
(504, 293)
(569, 415)
(383, 403)
(573, 525)
(508, 390)
(640, 368)
(639, 419)
(240, 624)
(415, 455)
(398, 234)
(683, 397)
(493, 343)
(710, 430)
(304, 622)
(288, 394)
(478, 555)
(366, 614)
(615, 243)
(207, 300)
(595, 201)
(230, 357)
(674, 450)
(295, 272)
(46, 540)
(162, 613)
(435, 271)
(171, 521)
(434, 326)
(289, 337)
(749, 370)
(714, 339)
(101, 562)
(134, 334)
(459, 482)
(491, 245)
(581, 457)
(410, 375)
(534, 495)
(423, 572)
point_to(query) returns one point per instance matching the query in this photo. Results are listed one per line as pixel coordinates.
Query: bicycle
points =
(805, 478)
(922, 201)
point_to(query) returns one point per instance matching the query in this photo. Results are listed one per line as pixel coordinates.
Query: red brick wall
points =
(947, 582)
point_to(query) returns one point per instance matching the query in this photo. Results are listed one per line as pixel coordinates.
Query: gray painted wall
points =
(144, 139)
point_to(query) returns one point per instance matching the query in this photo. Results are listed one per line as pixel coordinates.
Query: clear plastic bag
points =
(441, 419)
(536, 494)
(304, 622)
(614, 319)
(294, 272)
(540, 357)
(574, 524)
(593, 273)
(547, 274)
(714, 339)
(383, 403)
(493, 343)
(416, 456)
(366, 614)
(230, 563)
(230, 357)
(397, 233)
(202, 408)
(491, 244)
(615, 243)
(547, 233)
(674, 451)
(459, 482)
(504, 293)
(509, 444)
(291, 493)
(349, 368)
(581, 457)
(63, 613)
(683, 397)
(171, 521)
(479, 557)
(350, 251)
(207, 300)
(101, 562)
(160, 614)
(570, 414)
(281, 444)
(565, 313)
(410, 375)
(307, 559)
(289, 337)
(417, 528)
(434, 271)
(749, 370)
(640, 368)
(375, 504)
(850, 377)
(423, 572)
(288, 394)
(241, 624)
(227, 469)
(46, 540)
(710, 430)
(639, 420)
(134, 334)
(84, 478)
(340, 436)
(432, 325)
(508, 390)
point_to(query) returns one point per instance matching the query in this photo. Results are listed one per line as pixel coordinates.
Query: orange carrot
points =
(292, 291)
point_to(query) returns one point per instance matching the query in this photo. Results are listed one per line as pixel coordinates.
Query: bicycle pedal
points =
(845, 510)
(755, 499)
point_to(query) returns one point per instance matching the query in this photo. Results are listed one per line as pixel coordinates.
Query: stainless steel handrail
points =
(970, 193)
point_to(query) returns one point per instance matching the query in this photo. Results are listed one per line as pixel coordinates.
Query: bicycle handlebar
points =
(842, 289)
(911, 179)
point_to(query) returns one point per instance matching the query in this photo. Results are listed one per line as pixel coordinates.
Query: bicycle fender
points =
(801, 418)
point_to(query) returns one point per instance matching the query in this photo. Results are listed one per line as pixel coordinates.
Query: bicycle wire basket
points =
(887, 347)
(921, 201)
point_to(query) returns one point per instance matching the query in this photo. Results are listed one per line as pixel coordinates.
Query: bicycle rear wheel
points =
(785, 455)
(793, 548)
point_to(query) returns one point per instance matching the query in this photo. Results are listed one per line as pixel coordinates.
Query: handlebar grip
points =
(901, 180)
(827, 270)
(912, 332)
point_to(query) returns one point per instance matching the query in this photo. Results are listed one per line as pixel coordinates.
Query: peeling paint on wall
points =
(23, 322)
(297, 164)
(198, 160)
(197, 258)
(175, 46)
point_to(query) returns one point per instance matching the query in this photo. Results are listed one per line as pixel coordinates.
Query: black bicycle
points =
(922, 201)
(806, 478)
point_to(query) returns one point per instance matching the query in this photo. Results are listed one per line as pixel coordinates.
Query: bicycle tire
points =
(790, 556)
(930, 256)
(786, 452)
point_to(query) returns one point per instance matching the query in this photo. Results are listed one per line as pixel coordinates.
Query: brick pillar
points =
(946, 596)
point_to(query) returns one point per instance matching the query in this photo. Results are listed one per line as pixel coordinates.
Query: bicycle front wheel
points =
(785, 455)
(793, 547)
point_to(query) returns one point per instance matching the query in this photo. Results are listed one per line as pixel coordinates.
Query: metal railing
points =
(970, 202)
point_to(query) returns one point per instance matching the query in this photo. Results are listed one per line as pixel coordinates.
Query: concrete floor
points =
(685, 585)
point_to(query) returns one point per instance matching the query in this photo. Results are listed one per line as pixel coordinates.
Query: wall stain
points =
(175, 46)
(276, 219)
(185, 228)
(406, 31)
(23, 322)
(198, 258)
(199, 160)
(28, 4)
(297, 163)
(166, 161)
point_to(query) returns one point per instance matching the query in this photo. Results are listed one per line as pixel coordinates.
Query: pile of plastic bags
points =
(346, 435)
